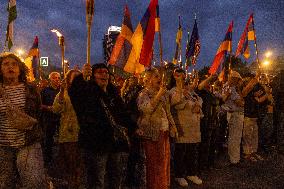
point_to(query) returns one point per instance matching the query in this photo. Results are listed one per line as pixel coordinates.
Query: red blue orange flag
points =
(122, 48)
(157, 20)
(248, 35)
(142, 41)
(32, 61)
(226, 46)
(34, 51)
(148, 28)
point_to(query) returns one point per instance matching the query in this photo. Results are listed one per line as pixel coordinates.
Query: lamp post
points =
(62, 45)
(266, 63)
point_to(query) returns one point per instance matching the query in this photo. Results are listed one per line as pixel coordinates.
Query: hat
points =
(235, 74)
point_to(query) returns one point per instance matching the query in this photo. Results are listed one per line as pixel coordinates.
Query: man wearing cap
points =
(234, 106)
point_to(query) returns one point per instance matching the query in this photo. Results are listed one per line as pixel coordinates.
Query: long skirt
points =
(158, 162)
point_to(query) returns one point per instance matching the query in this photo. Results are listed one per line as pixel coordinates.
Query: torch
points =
(62, 45)
(90, 4)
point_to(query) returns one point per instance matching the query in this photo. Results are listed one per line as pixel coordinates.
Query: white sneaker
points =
(195, 179)
(182, 182)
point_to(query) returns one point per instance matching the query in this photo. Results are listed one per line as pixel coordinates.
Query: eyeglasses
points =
(102, 72)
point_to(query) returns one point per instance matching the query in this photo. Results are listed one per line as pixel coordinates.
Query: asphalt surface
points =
(265, 174)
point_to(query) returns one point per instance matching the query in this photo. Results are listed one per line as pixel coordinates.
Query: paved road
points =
(262, 174)
(267, 174)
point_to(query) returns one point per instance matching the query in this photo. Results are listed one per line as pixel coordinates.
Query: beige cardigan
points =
(185, 118)
(153, 120)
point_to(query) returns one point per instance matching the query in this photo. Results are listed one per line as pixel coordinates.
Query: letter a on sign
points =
(44, 61)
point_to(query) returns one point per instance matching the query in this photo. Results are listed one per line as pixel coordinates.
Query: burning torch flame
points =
(57, 32)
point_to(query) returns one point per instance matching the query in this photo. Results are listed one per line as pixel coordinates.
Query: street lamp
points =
(268, 54)
(62, 45)
(266, 63)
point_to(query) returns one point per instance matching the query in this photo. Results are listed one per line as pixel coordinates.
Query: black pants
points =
(186, 159)
(265, 132)
(207, 148)
(222, 134)
(136, 167)
(50, 130)
(98, 165)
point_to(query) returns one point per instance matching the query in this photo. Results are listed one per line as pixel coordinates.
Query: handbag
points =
(17, 118)
(120, 135)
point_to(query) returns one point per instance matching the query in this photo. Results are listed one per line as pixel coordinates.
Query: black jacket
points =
(96, 133)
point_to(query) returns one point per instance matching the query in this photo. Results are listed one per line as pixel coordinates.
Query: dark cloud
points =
(38, 17)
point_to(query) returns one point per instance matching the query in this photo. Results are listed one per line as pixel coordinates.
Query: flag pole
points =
(230, 55)
(180, 60)
(158, 28)
(161, 48)
(39, 67)
(255, 43)
(193, 69)
(89, 18)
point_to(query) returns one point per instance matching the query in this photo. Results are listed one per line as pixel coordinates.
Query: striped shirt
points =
(10, 136)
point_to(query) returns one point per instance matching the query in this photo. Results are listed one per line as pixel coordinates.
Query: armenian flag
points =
(142, 41)
(34, 51)
(226, 46)
(32, 61)
(122, 48)
(248, 35)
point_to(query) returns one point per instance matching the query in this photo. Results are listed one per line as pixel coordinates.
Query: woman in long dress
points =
(155, 125)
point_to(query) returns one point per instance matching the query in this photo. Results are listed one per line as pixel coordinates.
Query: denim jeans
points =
(236, 124)
(23, 166)
(250, 136)
(98, 165)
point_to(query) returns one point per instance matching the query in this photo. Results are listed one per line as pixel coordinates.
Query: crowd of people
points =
(93, 133)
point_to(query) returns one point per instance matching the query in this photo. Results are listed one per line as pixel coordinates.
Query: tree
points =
(237, 64)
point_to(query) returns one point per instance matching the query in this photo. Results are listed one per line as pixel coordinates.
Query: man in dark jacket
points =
(101, 116)
(50, 120)
(208, 124)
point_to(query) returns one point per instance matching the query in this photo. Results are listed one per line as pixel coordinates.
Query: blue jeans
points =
(26, 162)
(100, 164)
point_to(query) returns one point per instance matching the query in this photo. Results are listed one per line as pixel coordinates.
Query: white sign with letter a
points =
(44, 61)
